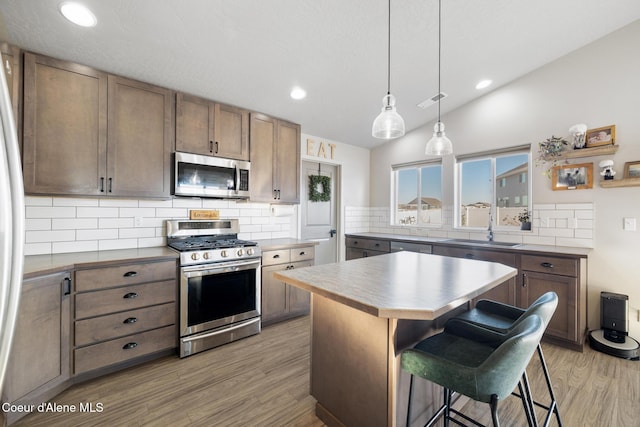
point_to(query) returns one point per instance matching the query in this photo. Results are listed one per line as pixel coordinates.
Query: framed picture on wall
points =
(601, 136)
(632, 169)
(572, 177)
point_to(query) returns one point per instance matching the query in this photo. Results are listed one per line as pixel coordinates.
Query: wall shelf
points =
(605, 150)
(627, 182)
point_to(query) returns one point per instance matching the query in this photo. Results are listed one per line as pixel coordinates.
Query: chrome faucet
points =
(490, 235)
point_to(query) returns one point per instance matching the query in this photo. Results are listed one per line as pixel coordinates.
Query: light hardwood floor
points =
(264, 381)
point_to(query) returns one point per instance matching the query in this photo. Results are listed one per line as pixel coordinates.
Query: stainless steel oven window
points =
(214, 295)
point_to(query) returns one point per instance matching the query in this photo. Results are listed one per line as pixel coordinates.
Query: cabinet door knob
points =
(130, 345)
(546, 264)
(130, 320)
(130, 295)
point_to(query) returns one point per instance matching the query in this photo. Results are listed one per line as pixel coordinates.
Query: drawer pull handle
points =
(546, 264)
(303, 253)
(130, 295)
(130, 320)
(468, 256)
(130, 274)
(130, 345)
(276, 256)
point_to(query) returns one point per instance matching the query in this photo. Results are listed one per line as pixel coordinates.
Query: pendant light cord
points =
(439, 52)
(389, 51)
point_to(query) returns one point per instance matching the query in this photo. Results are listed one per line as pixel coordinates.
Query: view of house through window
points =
(493, 186)
(418, 194)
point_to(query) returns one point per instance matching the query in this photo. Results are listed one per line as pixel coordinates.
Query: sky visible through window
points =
(476, 177)
(408, 184)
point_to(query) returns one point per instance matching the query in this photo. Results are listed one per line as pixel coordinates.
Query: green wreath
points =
(322, 182)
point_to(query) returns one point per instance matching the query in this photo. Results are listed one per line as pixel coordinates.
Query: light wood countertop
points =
(402, 285)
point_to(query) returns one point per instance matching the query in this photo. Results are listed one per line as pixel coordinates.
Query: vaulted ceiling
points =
(251, 53)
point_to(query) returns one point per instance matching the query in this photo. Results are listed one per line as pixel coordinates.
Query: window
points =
(479, 199)
(418, 194)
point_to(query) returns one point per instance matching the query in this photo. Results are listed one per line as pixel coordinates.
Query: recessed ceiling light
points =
(483, 84)
(78, 14)
(298, 93)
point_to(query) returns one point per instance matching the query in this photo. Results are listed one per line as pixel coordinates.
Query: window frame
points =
(418, 166)
(492, 156)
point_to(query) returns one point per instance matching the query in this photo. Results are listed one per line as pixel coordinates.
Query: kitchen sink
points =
(482, 243)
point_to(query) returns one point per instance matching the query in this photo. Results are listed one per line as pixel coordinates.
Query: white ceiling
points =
(251, 52)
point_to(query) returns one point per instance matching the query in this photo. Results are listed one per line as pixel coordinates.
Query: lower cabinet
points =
(567, 277)
(279, 300)
(506, 292)
(124, 312)
(42, 328)
(361, 248)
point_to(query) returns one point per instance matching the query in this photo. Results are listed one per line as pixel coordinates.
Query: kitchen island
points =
(365, 312)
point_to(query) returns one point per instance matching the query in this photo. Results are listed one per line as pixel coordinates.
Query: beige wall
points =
(598, 85)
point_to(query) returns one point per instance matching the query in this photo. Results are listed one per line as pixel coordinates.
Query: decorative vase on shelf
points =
(578, 135)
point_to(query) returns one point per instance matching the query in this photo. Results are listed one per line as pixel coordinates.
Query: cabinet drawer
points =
(112, 326)
(126, 298)
(505, 258)
(550, 264)
(276, 257)
(302, 254)
(121, 349)
(111, 277)
(370, 244)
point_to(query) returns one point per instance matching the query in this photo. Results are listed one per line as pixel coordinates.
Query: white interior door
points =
(319, 218)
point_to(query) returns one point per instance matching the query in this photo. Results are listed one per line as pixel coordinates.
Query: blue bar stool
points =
(502, 318)
(486, 371)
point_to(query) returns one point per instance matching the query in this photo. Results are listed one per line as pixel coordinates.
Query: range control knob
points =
(224, 253)
(250, 251)
(206, 255)
(195, 256)
(240, 252)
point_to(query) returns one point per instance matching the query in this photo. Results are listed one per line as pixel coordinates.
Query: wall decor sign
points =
(319, 188)
(601, 136)
(324, 150)
(572, 177)
(632, 169)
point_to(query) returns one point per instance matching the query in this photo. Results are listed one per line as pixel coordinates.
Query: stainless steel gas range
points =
(219, 283)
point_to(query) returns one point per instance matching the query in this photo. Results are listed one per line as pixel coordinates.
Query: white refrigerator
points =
(12, 222)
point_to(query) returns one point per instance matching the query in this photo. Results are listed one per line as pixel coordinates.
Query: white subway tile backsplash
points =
(129, 233)
(119, 203)
(49, 236)
(67, 201)
(49, 212)
(32, 224)
(37, 248)
(62, 225)
(73, 223)
(77, 246)
(97, 234)
(107, 245)
(99, 212)
(552, 225)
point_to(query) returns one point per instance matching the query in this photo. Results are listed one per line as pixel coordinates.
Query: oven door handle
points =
(220, 268)
(220, 331)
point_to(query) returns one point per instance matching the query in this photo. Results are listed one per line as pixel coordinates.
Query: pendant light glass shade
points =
(439, 144)
(388, 124)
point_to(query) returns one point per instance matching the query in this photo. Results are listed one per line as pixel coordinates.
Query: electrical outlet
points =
(137, 221)
(629, 224)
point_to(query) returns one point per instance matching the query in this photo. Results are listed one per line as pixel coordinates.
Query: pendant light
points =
(388, 124)
(439, 144)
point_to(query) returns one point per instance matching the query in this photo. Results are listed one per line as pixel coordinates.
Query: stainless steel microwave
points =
(208, 176)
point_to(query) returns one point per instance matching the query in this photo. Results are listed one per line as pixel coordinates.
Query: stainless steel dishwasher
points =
(422, 248)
